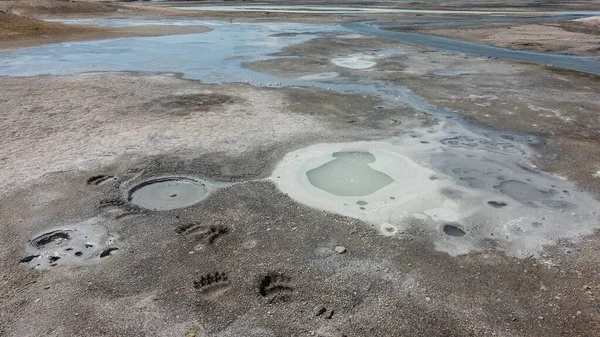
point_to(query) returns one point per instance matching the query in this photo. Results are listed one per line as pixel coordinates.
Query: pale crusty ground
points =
(108, 128)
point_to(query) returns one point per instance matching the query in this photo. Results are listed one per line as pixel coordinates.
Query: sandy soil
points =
(17, 31)
(593, 21)
(59, 7)
(237, 133)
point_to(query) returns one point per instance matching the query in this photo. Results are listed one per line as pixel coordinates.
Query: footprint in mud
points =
(106, 252)
(134, 170)
(100, 179)
(111, 203)
(497, 204)
(276, 286)
(202, 234)
(117, 207)
(212, 285)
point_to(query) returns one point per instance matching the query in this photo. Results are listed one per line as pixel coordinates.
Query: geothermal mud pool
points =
(166, 193)
(453, 173)
(435, 180)
(221, 252)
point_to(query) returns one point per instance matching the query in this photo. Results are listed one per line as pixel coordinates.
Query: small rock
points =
(340, 249)
(541, 317)
(319, 309)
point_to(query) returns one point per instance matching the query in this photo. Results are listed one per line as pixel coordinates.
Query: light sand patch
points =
(320, 76)
(85, 121)
(594, 20)
(356, 61)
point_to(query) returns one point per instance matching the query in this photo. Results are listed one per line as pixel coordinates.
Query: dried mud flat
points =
(568, 36)
(245, 259)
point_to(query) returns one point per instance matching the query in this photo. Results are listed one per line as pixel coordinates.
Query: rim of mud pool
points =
(151, 181)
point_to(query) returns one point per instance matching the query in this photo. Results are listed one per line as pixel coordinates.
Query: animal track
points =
(100, 179)
(274, 286)
(134, 170)
(118, 208)
(201, 234)
(111, 203)
(212, 284)
(106, 252)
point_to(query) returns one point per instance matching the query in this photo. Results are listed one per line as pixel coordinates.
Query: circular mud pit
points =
(162, 194)
(76, 245)
(336, 176)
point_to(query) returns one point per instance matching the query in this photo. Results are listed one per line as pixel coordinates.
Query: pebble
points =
(340, 249)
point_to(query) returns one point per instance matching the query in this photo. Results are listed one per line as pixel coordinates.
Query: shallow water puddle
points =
(349, 174)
